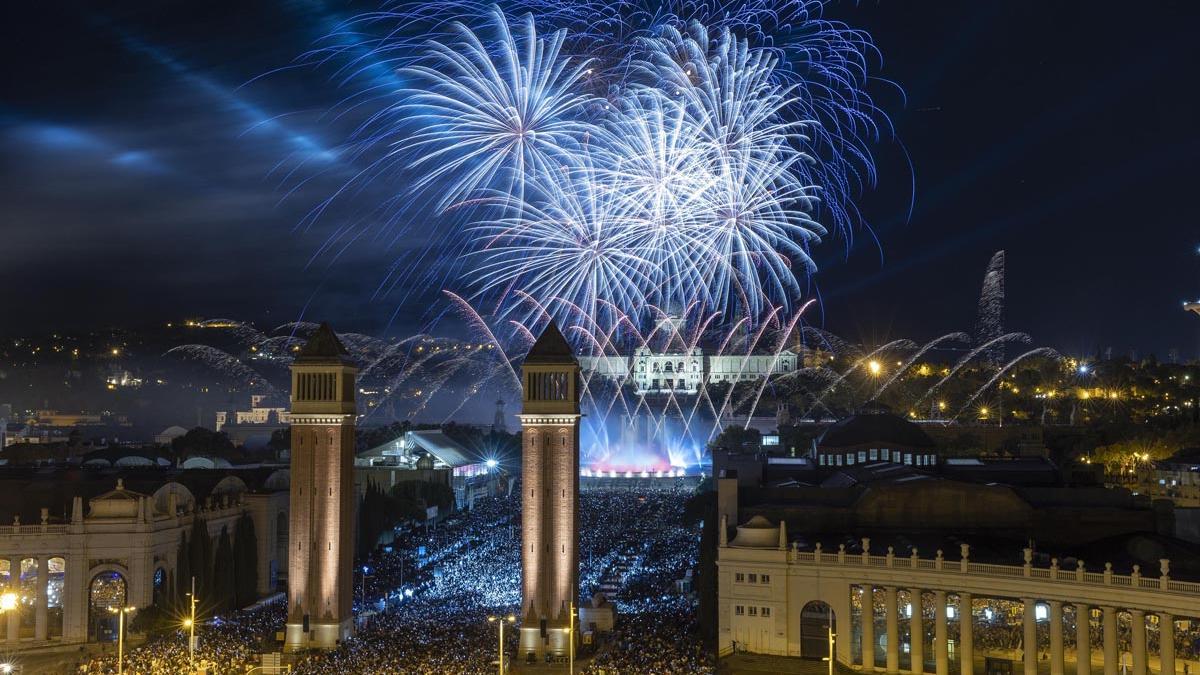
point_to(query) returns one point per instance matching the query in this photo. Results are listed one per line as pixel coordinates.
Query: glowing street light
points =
(874, 367)
(190, 624)
(121, 612)
(500, 620)
(8, 601)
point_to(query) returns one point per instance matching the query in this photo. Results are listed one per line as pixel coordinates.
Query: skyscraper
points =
(550, 494)
(321, 523)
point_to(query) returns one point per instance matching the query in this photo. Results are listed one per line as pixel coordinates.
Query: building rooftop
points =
(25, 491)
(551, 347)
(875, 427)
(323, 344)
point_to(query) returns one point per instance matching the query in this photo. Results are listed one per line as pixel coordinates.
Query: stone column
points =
(1029, 639)
(41, 624)
(868, 627)
(1083, 639)
(1166, 643)
(917, 630)
(893, 630)
(966, 635)
(14, 586)
(1056, 638)
(941, 649)
(1138, 626)
(1111, 655)
(75, 595)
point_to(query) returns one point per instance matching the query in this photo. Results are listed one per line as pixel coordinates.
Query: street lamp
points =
(830, 657)
(571, 638)
(500, 620)
(190, 624)
(365, 573)
(121, 612)
(8, 601)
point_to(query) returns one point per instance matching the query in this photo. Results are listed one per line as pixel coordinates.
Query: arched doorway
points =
(816, 621)
(106, 593)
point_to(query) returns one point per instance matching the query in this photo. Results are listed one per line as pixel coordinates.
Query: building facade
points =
(321, 530)
(776, 599)
(120, 547)
(680, 370)
(549, 496)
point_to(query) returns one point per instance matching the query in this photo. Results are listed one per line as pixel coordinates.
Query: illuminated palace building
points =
(684, 370)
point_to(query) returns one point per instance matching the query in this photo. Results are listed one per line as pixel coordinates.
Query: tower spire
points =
(321, 515)
(549, 494)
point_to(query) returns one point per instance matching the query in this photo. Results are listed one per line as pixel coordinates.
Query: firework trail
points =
(1015, 337)
(959, 337)
(1040, 351)
(990, 323)
(223, 364)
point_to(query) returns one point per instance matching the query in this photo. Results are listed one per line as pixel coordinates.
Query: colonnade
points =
(41, 599)
(1110, 648)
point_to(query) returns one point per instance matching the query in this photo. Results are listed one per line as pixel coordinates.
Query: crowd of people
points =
(229, 644)
(423, 602)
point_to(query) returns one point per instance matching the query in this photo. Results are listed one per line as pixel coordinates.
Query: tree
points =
(281, 441)
(703, 506)
(735, 438)
(245, 562)
(183, 572)
(201, 441)
(222, 580)
(200, 559)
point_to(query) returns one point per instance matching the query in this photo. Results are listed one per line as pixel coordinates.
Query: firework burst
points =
(593, 159)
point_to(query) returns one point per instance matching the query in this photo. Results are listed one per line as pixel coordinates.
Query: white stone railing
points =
(32, 529)
(959, 568)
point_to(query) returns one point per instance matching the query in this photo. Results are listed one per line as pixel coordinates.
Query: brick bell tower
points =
(321, 519)
(550, 494)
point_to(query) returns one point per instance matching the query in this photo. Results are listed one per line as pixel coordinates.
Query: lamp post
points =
(830, 657)
(121, 635)
(365, 571)
(8, 602)
(190, 622)
(571, 638)
(500, 620)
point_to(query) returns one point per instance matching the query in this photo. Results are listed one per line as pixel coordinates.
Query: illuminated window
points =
(862, 456)
(874, 454)
(908, 458)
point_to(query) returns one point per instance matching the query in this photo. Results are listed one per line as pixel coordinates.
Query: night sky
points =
(144, 172)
